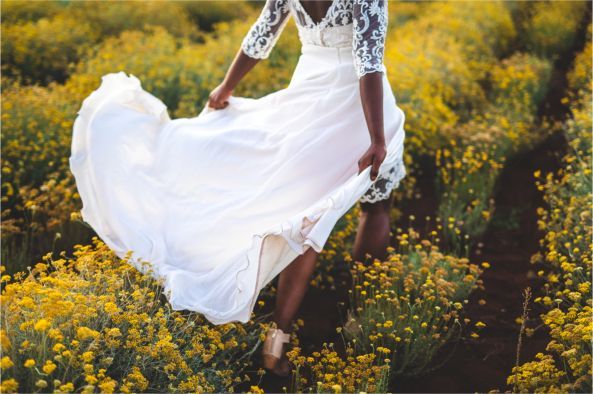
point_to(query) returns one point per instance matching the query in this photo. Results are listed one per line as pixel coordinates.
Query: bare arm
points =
(256, 45)
(240, 66)
(369, 32)
(371, 94)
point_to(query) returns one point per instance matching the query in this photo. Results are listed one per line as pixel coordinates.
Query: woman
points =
(222, 203)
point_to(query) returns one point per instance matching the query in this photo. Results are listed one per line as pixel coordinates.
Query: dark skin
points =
(374, 224)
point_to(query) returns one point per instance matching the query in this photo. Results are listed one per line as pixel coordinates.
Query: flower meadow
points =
(91, 323)
(566, 365)
(472, 78)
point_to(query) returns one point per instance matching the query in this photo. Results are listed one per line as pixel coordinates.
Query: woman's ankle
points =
(281, 324)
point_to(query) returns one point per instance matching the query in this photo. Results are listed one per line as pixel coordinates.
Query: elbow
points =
(254, 53)
(365, 64)
(253, 48)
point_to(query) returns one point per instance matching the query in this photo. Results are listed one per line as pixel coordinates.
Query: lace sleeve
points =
(263, 34)
(368, 41)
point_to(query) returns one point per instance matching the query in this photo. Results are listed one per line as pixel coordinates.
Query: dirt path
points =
(510, 240)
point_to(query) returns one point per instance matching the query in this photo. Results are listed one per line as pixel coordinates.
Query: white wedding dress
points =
(221, 203)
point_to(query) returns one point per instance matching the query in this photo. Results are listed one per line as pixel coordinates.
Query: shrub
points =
(409, 305)
(94, 322)
(43, 50)
(454, 58)
(552, 27)
(14, 11)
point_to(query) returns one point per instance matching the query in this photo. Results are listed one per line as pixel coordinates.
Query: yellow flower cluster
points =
(469, 163)
(454, 45)
(467, 175)
(93, 322)
(566, 366)
(41, 40)
(42, 50)
(406, 307)
(327, 371)
(518, 85)
(551, 29)
(20, 11)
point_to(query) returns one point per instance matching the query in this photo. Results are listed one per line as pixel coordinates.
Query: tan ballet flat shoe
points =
(272, 349)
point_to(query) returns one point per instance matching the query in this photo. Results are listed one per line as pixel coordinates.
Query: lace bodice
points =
(361, 24)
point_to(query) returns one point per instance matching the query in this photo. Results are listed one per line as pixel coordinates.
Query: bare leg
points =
(293, 283)
(372, 235)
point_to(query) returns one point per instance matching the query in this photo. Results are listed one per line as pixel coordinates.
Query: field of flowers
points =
(478, 83)
(565, 365)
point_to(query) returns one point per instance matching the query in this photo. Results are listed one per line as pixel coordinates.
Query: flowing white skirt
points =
(221, 203)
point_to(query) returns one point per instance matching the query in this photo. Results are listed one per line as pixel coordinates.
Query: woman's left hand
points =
(373, 157)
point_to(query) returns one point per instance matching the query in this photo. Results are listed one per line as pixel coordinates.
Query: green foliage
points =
(409, 305)
(552, 27)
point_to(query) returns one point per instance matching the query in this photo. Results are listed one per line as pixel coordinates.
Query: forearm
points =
(371, 94)
(240, 66)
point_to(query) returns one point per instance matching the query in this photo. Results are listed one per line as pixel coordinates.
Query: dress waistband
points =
(341, 54)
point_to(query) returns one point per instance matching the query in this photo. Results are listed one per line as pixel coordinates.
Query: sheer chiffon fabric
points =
(219, 204)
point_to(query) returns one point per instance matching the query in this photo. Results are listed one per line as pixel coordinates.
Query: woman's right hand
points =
(219, 97)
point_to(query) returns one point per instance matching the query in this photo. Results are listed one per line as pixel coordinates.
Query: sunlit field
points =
(487, 283)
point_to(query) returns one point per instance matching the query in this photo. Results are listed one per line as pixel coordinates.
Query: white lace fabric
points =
(385, 183)
(265, 31)
(359, 24)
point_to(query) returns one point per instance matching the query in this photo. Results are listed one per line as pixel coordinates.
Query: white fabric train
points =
(221, 203)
